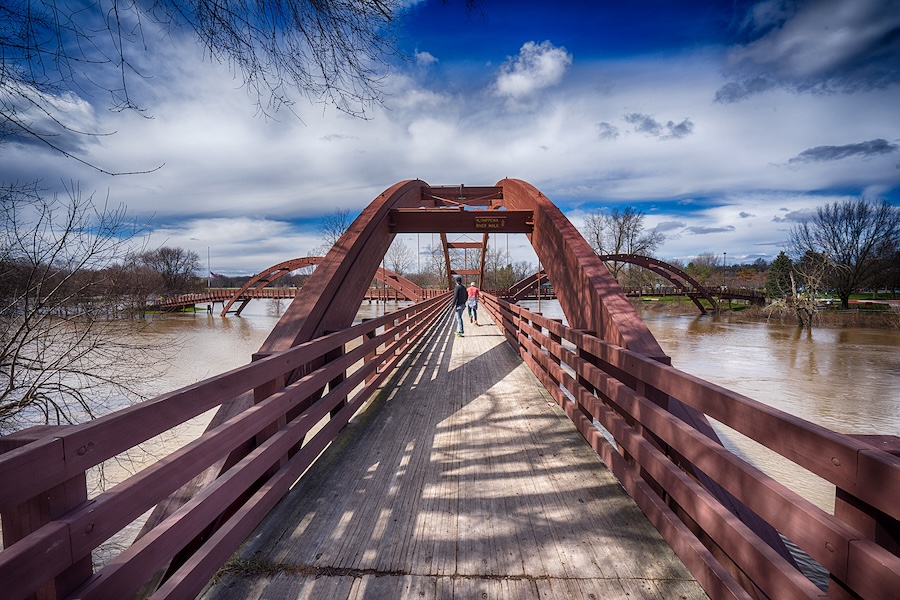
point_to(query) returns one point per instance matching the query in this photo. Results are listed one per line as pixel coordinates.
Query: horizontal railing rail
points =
(388, 294)
(656, 457)
(238, 499)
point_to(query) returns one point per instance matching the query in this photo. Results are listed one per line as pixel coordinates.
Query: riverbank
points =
(855, 317)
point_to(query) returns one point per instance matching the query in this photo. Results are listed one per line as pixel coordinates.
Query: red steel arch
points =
(406, 287)
(667, 271)
(331, 296)
(587, 292)
(588, 295)
(267, 276)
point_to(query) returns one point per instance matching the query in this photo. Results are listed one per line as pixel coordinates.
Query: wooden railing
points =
(373, 294)
(660, 460)
(50, 526)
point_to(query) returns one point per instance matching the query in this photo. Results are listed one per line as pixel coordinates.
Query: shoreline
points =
(877, 319)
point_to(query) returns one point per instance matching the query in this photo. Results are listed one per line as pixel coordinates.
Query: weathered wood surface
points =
(462, 479)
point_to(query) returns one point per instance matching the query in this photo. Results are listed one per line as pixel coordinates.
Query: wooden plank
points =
(36, 559)
(492, 472)
(26, 471)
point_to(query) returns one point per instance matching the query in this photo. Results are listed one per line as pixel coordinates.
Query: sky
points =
(724, 122)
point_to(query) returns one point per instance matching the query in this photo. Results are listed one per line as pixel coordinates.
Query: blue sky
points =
(724, 122)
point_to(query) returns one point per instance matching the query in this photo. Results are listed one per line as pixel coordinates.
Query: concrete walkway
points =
(462, 479)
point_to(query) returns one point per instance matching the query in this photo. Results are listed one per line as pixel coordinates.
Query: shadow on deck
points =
(462, 478)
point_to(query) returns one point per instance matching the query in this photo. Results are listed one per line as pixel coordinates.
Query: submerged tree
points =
(62, 358)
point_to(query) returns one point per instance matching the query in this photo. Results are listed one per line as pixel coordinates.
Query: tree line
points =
(848, 246)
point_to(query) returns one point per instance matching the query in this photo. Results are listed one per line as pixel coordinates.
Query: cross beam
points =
(448, 220)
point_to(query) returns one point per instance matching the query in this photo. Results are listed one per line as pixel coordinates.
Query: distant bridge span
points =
(410, 290)
(682, 280)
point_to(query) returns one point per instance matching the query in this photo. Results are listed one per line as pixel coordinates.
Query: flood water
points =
(847, 380)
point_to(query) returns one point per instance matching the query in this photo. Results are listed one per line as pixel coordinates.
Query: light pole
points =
(724, 266)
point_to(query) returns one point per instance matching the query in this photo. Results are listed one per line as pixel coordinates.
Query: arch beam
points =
(440, 220)
(666, 271)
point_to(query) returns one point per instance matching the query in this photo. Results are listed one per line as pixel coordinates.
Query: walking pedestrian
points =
(460, 296)
(472, 302)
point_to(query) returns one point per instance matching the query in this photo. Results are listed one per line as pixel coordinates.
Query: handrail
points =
(583, 373)
(52, 548)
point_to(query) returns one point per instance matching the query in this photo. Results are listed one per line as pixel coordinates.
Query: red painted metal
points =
(267, 276)
(604, 366)
(526, 286)
(654, 472)
(332, 295)
(588, 294)
(67, 539)
(461, 221)
(450, 195)
(670, 272)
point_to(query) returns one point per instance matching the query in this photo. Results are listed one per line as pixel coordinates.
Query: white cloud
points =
(425, 59)
(537, 66)
(247, 186)
(818, 45)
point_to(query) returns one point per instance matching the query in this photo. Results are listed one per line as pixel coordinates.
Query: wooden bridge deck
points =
(461, 479)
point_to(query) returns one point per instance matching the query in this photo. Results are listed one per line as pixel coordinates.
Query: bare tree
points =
(331, 228)
(497, 270)
(52, 54)
(399, 257)
(177, 267)
(852, 236)
(437, 266)
(334, 52)
(62, 358)
(620, 232)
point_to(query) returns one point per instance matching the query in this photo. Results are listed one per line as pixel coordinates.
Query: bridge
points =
(394, 288)
(531, 458)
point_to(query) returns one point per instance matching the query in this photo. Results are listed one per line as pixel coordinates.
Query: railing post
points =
(260, 393)
(43, 508)
(590, 359)
(329, 357)
(875, 525)
(371, 355)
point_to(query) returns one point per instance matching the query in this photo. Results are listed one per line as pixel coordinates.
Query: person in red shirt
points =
(472, 303)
